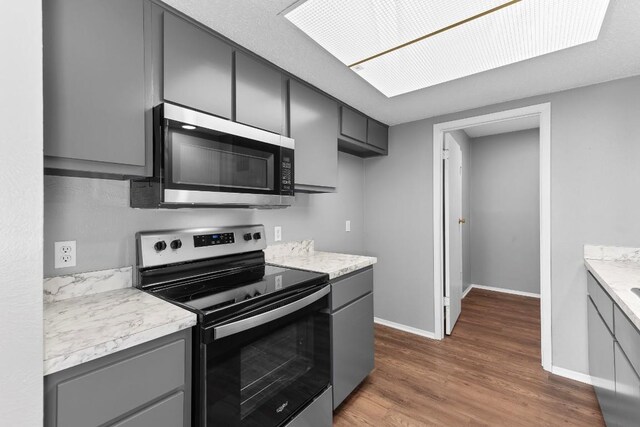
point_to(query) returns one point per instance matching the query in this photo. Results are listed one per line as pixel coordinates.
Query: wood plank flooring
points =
(487, 373)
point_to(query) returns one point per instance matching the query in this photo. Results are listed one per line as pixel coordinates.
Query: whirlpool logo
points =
(281, 407)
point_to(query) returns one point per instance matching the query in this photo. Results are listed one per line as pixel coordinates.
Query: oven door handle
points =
(251, 322)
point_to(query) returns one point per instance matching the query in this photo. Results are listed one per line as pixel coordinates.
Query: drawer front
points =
(348, 289)
(603, 302)
(352, 347)
(102, 395)
(166, 413)
(318, 414)
(627, 392)
(628, 337)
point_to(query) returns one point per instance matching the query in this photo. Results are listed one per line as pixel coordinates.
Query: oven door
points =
(263, 367)
(206, 159)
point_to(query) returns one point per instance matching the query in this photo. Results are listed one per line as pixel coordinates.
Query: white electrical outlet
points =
(347, 226)
(277, 233)
(65, 254)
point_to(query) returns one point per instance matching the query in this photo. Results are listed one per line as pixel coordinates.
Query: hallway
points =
(487, 373)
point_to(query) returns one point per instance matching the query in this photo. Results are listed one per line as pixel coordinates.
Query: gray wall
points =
(594, 199)
(465, 146)
(97, 215)
(21, 214)
(505, 211)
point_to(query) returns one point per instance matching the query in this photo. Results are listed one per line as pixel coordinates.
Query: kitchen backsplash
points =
(75, 285)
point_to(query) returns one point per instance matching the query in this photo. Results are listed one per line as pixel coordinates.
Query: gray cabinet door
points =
(94, 84)
(377, 135)
(627, 391)
(601, 362)
(313, 120)
(197, 68)
(352, 341)
(353, 124)
(259, 94)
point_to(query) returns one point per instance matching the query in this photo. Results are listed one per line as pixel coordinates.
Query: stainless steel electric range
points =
(262, 342)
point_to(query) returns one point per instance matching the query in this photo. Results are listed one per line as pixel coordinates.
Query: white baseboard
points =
(572, 375)
(504, 291)
(405, 328)
(464, 294)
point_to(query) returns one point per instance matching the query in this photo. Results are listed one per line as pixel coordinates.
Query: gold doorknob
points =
(462, 221)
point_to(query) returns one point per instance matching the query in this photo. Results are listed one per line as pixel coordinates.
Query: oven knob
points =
(247, 236)
(176, 244)
(257, 236)
(160, 246)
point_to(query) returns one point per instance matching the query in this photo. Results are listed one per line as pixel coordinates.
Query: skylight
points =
(399, 46)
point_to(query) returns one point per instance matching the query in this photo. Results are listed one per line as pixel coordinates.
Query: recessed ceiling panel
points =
(471, 36)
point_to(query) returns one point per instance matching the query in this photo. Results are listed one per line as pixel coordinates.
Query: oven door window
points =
(264, 376)
(220, 162)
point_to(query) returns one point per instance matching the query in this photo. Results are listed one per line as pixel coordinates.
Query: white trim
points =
(439, 129)
(464, 294)
(502, 290)
(572, 375)
(404, 328)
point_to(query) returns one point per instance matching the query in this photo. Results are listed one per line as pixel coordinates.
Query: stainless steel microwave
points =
(205, 161)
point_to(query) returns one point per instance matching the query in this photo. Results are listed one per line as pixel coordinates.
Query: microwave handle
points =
(260, 319)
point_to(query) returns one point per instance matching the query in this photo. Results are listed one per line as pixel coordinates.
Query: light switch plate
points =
(347, 225)
(277, 233)
(65, 254)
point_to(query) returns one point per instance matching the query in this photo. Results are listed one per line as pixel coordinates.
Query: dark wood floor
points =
(487, 373)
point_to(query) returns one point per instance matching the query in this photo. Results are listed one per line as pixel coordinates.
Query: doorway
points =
(448, 218)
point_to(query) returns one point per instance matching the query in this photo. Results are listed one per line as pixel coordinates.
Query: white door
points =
(453, 222)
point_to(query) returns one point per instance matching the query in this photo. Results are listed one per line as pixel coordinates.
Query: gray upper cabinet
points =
(94, 86)
(377, 135)
(260, 94)
(313, 120)
(353, 124)
(197, 68)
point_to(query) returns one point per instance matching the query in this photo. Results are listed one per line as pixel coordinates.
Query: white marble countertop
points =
(618, 271)
(302, 255)
(80, 329)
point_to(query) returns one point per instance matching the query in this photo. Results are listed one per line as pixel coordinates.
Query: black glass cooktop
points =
(232, 292)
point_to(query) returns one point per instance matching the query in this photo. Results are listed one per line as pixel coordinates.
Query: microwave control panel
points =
(213, 239)
(286, 174)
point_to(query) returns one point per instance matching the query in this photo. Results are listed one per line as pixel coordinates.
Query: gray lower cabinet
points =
(147, 385)
(317, 414)
(352, 335)
(197, 68)
(94, 87)
(313, 119)
(260, 94)
(614, 358)
(601, 362)
(627, 391)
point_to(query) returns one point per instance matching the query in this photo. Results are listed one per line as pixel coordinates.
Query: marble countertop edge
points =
(60, 362)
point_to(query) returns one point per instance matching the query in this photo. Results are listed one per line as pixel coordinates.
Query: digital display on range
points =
(213, 239)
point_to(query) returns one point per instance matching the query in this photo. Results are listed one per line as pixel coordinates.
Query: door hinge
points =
(447, 301)
(445, 154)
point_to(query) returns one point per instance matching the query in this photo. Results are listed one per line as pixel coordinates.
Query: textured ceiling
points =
(257, 25)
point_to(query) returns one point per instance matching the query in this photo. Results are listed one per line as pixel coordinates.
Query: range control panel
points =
(176, 246)
(213, 239)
